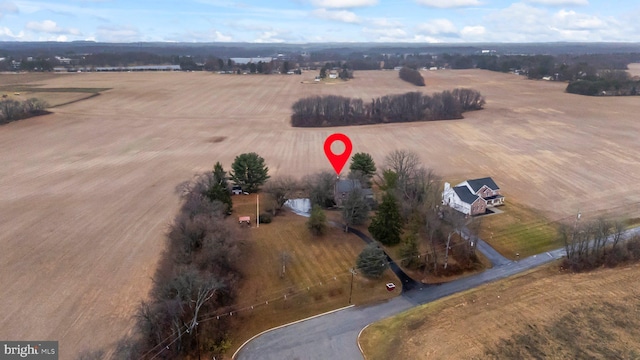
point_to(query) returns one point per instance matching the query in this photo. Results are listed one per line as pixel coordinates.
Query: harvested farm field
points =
(545, 314)
(634, 69)
(87, 192)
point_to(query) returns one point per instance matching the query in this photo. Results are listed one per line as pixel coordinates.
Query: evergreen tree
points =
(249, 171)
(372, 261)
(386, 226)
(218, 188)
(317, 221)
(409, 252)
(363, 163)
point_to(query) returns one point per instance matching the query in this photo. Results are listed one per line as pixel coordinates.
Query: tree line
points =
(595, 243)
(333, 110)
(412, 76)
(12, 110)
(196, 278)
(605, 83)
(199, 272)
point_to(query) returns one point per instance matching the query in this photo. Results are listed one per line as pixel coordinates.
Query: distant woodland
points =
(412, 76)
(13, 110)
(605, 83)
(589, 69)
(331, 110)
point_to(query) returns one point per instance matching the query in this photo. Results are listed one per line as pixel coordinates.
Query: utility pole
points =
(575, 226)
(351, 287)
(257, 210)
(198, 341)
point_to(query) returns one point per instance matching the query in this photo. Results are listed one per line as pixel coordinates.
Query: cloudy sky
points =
(300, 21)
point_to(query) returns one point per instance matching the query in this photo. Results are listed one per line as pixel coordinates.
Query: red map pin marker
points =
(338, 160)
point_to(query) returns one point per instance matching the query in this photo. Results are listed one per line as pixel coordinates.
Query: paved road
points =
(334, 336)
(490, 253)
(407, 282)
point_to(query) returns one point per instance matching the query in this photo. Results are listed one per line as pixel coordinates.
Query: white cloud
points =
(473, 31)
(386, 35)
(384, 22)
(7, 34)
(438, 27)
(343, 4)
(559, 2)
(117, 34)
(211, 35)
(269, 37)
(50, 27)
(574, 21)
(425, 39)
(220, 37)
(7, 7)
(524, 23)
(336, 15)
(443, 4)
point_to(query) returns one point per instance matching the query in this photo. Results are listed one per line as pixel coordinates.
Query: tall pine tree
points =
(386, 226)
(219, 188)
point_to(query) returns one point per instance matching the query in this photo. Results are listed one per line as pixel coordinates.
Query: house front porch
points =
(496, 200)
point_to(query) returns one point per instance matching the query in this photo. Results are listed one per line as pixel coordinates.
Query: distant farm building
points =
(473, 197)
(254, 60)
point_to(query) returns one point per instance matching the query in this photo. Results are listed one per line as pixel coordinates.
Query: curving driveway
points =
(334, 336)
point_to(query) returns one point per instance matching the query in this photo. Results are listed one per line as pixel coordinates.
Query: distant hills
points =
(226, 50)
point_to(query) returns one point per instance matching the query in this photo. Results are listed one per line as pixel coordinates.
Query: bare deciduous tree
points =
(280, 190)
(355, 209)
(320, 188)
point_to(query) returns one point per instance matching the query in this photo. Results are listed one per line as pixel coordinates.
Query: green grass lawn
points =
(519, 230)
(316, 277)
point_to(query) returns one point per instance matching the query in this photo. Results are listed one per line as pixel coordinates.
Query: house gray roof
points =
(345, 186)
(477, 184)
(465, 195)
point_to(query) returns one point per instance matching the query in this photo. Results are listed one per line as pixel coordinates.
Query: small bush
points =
(265, 218)
(317, 223)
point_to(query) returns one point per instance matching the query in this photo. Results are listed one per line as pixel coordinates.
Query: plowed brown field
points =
(563, 316)
(86, 193)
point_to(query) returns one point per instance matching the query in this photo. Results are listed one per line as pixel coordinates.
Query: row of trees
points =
(605, 83)
(12, 110)
(411, 75)
(560, 68)
(332, 110)
(199, 271)
(595, 243)
(196, 278)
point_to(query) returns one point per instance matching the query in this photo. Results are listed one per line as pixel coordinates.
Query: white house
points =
(472, 197)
